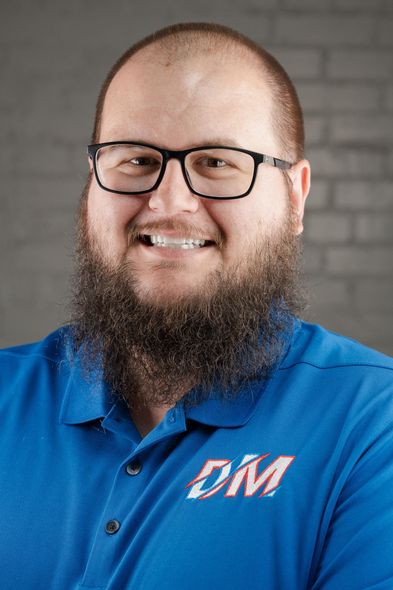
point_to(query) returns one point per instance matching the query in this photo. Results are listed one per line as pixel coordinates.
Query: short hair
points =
(187, 39)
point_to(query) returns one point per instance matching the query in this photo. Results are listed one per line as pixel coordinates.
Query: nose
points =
(173, 195)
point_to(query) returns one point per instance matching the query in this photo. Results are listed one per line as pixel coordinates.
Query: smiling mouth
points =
(172, 242)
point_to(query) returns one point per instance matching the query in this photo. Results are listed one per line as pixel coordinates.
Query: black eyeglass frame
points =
(180, 155)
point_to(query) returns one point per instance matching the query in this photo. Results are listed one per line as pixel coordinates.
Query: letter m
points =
(269, 478)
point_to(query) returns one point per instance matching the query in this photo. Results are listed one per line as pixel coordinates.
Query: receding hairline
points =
(181, 42)
(187, 44)
(175, 59)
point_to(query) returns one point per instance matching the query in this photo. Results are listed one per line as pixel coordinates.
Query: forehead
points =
(189, 102)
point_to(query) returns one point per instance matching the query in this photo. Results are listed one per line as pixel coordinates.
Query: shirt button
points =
(112, 526)
(133, 468)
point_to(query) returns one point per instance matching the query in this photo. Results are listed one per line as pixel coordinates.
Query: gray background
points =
(53, 58)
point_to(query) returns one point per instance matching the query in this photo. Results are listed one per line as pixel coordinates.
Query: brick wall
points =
(53, 57)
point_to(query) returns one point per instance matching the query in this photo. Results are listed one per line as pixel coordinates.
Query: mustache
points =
(182, 228)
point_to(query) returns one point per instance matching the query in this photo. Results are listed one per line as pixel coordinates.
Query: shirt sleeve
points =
(358, 548)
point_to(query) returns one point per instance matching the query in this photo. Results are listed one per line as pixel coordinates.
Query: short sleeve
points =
(358, 548)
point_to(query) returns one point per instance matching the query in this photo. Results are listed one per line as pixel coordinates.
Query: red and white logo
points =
(217, 474)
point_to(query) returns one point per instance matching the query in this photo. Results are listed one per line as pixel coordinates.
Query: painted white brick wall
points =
(53, 58)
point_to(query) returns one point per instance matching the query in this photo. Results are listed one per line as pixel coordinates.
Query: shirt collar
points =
(90, 398)
(86, 397)
(219, 412)
(227, 413)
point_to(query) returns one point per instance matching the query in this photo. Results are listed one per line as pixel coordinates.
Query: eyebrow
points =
(229, 141)
(225, 141)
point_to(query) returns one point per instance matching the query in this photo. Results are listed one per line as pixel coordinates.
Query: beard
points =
(234, 328)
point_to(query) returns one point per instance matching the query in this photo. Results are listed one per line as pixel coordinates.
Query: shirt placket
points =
(115, 531)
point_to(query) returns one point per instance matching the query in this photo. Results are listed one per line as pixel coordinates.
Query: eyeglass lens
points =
(217, 172)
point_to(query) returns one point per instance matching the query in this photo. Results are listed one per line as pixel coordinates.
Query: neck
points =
(147, 418)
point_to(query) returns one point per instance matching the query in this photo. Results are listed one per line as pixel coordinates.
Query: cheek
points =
(268, 207)
(229, 216)
(240, 218)
(108, 217)
(245, 221)
(235, 224)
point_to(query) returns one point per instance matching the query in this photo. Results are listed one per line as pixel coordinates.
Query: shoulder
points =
(320, 348)
(337, 379)
(48, 349)
(31, 363)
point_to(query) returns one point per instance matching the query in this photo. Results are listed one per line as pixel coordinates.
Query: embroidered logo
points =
(217, 474)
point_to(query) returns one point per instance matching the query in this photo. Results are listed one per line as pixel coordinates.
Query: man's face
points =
(195, 103)
(162, 320)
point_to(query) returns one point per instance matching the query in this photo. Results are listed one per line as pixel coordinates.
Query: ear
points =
(300, 175)
(90, 163)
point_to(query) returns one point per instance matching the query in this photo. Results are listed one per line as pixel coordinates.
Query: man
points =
(187, 429)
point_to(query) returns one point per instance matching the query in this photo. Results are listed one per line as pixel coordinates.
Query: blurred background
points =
(53, 58)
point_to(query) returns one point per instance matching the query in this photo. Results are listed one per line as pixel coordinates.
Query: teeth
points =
(171, 242)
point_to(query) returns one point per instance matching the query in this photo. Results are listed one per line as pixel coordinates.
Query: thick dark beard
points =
(232, 331)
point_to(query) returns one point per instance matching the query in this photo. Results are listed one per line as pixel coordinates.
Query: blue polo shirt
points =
(289, 487)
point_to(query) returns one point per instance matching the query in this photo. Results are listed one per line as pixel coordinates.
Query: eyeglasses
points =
(212, 172)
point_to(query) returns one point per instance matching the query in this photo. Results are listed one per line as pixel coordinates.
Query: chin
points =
(168, 289)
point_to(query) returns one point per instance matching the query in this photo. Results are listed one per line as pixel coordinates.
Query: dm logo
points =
(217, 474)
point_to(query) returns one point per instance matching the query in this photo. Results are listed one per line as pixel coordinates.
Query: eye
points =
(142, 161)
(212, 162)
